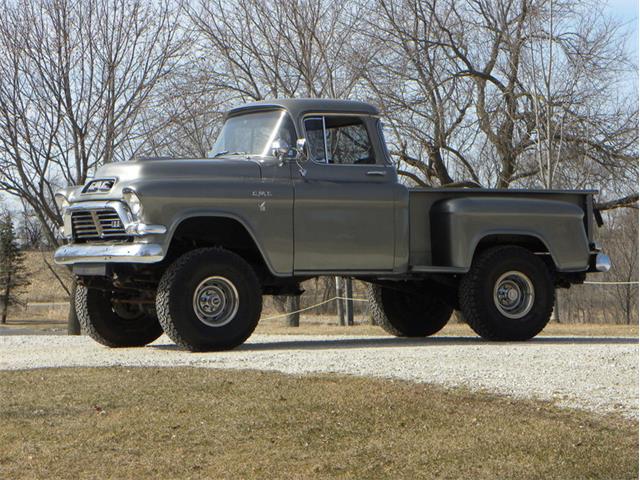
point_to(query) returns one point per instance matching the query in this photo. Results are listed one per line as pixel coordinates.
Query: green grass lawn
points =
(198, 423)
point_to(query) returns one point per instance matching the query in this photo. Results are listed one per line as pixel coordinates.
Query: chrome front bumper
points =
(109, 253)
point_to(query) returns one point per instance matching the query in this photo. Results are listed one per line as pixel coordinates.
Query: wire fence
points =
(571, 307)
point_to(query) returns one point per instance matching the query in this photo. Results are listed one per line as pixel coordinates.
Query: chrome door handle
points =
(378, 173)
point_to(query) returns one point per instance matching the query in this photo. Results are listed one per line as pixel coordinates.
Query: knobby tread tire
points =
(374, 294)
(477, 308)
(102, 324)
(175, 323)
(428, 316)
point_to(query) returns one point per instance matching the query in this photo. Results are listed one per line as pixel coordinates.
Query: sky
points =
(627, 11)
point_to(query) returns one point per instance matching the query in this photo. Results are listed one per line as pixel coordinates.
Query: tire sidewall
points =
(536, 319)
(411, 315)
(192, 331)
(98, 320)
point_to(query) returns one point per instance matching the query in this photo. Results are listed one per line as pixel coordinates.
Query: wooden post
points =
(339, 303)
(73, 325)
(349, 302)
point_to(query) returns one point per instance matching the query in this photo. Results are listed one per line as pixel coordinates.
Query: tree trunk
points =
(349, 301)
(73, 326)
(293, 318)
(5, 299)
(555, 314)
(439, 166)
(339, 302)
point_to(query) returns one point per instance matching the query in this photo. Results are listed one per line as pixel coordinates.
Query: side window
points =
(339, 140)
(314, 127)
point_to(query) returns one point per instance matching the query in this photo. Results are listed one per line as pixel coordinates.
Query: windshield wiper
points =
(219, 154)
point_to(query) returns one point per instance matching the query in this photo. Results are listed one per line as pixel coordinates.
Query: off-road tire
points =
(476, 293)
(174, 300)
(99, 320)
(404, 314)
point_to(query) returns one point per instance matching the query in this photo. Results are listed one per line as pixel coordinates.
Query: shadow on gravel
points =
(382, 342)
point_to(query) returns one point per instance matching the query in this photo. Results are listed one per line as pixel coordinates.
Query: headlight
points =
(133, 201)
(61, 201)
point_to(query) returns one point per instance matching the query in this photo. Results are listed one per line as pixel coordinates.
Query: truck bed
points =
(427, 234)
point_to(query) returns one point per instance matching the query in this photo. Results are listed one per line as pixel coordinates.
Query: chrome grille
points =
(97, 224)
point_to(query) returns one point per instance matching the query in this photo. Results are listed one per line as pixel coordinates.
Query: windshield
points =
(251, 134)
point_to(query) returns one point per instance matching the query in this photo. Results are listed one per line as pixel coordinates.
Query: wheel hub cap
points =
(215, 301)
(513, 294)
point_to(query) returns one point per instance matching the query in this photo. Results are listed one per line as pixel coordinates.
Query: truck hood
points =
(128, 173)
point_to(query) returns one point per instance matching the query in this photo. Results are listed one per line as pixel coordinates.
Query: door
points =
(344, 204)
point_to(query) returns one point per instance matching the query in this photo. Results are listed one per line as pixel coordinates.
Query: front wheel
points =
(209, 299)
(507, 294)
(416, 311)
(112, 323)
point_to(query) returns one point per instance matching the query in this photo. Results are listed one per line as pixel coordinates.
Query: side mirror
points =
(279, 148)
(300, 143)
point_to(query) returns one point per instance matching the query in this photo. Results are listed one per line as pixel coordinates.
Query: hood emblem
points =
(99, 186)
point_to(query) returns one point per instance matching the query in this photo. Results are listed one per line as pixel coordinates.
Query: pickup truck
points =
(298, 188)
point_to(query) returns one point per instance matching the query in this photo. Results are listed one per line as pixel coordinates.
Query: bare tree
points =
(268, 49)
(425, 104)
(74, 79)
(566, 103)
(623, 240)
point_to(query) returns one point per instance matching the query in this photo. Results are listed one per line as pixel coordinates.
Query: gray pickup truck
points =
(294, 189)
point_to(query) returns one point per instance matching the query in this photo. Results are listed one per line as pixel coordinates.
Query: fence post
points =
(339, 304)
(349, 301)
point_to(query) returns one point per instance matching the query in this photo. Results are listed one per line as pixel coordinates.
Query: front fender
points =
(264, 209)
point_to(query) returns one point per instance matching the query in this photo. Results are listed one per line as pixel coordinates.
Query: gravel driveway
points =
(598, 374)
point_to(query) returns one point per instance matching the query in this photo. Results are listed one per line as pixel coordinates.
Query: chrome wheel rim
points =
(215, 301)
(513, 294)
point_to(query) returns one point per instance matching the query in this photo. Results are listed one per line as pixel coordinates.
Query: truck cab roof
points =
(300, 106)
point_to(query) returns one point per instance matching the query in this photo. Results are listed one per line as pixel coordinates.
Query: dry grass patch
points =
(198, 423)
(44, 286)
(312, 325)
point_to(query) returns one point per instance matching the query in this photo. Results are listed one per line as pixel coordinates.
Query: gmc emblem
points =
(99, 186)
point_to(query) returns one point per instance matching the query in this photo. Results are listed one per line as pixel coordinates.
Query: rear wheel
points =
(114, 324)
(507, 294)
(416, 313)
(209, 299)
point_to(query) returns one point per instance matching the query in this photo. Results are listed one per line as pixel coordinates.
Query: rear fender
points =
(460, 224)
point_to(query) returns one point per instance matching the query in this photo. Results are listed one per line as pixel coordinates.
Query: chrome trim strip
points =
(109, 253)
